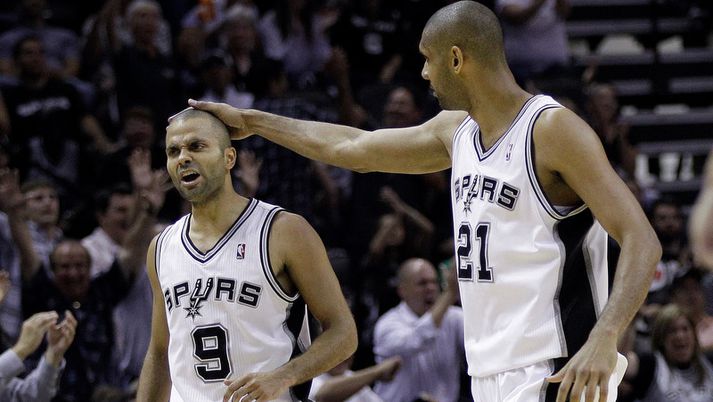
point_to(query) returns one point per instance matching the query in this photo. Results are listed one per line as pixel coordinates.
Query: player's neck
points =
(218, 213)
(496, 104)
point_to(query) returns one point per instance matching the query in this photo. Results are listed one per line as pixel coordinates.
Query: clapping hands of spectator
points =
(248, 172)
(59, 338)
(4, 284)
(12, 199)
(32, 332)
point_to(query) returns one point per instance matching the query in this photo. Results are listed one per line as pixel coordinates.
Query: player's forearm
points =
(635, 269)
(325, 142)
(332, 347)
(155, 382)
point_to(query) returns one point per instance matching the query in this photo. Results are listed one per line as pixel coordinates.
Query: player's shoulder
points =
(290, 226)
(447, 119)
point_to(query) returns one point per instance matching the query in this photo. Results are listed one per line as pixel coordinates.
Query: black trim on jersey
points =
(532, 172)
(478, 143)
(202, 257)
(575, 301)
(293, 326)
(265, 256)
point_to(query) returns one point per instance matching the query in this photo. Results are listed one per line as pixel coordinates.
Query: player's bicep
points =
(419, 149)
(573, 150)
(159, 324)
(305, 261)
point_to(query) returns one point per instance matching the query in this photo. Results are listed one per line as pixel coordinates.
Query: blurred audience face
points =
(400, 109)
(115, 220)
(42, 205)
(31, 58)
(418, 285)
(603, 104)
(71, 264)
(241, 32)
(680, 342)
(144, 19)
(667, 222)
(139, 132)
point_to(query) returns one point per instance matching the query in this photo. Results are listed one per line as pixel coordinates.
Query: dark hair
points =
(103, 197)
(21, 42)
(34, 184)
(664, 200)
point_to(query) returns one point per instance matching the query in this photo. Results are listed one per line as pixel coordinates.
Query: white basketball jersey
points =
(227, 315)
(533, 279)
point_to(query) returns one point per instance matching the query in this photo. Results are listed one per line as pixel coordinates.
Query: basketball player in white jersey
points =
(231, 283)
(531, 191)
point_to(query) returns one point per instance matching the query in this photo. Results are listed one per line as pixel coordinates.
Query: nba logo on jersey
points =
(509, 153)
(241, 251)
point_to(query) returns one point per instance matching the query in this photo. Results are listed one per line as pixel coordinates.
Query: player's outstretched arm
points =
(155, 382)
(296, 247)
(567, 147)
(419, 149)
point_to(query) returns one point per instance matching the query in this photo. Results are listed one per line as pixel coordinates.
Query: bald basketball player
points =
(232, 282)
(534, 199)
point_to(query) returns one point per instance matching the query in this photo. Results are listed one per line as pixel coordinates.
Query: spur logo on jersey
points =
(191, 298)
(241, 251)
(474, 187)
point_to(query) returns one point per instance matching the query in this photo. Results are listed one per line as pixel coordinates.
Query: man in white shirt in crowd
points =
(426, 331)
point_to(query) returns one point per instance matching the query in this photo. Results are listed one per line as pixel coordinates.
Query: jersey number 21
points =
(484, 272)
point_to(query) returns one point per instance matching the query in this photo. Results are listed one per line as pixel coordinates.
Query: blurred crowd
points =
(85, 92)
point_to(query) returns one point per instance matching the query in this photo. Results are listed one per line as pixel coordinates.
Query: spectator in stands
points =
(145, 72)
(368, 31)
(603, 115)
(667, 221)
(42, 213)
(138, 133)
(91, 300)
(676, 371)
(41, 384)
(535, 36)
(293, 34)
(342, 384)
(11, 309)
(239, 35)
(701, 219)
(216, 76)
(51, 128)
(687, 293)
(426, 331)
(61, 44)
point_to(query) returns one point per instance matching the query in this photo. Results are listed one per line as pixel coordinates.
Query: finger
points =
(591, 389)
(580, 381)
(233, 387)
(604, 390)
(203, 105)
(565, 385)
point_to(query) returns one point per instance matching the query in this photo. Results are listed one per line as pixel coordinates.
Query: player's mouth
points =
(190, 177)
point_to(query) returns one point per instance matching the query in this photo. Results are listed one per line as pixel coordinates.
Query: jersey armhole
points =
(265, 256)
(530, 156)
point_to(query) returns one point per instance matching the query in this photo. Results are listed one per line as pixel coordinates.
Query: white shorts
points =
(527, 384)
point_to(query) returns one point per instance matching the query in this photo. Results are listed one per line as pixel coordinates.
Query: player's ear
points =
(230, 156)
(456, 59)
